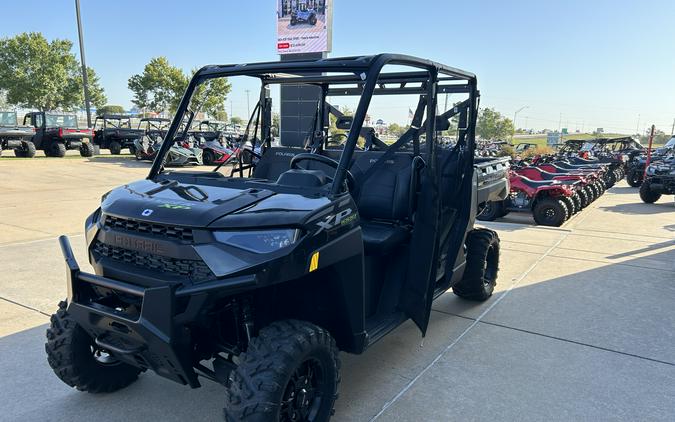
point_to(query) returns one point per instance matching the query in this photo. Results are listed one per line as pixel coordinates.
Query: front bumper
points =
(156, 337)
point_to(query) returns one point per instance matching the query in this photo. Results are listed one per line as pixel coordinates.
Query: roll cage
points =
(350, 76)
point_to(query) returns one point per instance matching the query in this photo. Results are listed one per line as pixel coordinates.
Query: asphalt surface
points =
(580, 327)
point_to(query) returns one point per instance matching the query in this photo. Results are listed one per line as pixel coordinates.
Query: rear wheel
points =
(590, 194)
(115, 148)
(482, 266)
(550, 212)
(577, 201)
(312, 20)
(647, 195)
(57, 149)
(290, 372)
(132, 149)
(583, 197)
(208, 157)
(87, 150)
(571, 208)
(79, 362)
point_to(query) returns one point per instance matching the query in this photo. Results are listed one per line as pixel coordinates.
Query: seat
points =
(383, 200)
(536, 183)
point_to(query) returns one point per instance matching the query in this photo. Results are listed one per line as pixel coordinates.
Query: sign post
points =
(304, 32)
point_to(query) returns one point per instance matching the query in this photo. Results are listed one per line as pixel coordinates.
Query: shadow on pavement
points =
(640, 208)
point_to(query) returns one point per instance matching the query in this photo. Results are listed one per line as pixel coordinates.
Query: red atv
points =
(551, 202)
(595, 177)
(586, 190)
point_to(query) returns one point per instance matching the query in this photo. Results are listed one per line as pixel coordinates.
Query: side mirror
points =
(344, 122)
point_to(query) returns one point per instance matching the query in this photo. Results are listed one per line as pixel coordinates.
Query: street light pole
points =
(248, 103)
(85, 77)
(515, 114)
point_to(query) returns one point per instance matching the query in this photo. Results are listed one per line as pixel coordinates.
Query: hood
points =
(174, 203)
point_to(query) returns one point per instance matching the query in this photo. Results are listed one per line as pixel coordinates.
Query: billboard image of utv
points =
(304, 26)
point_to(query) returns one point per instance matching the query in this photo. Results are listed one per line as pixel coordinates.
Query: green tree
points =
(220, 115)
(36, 73)
(236, 120)
(397, 130)
(110, 109)
(210, 96)
(493, 125)
(160, 86)
(97, 96)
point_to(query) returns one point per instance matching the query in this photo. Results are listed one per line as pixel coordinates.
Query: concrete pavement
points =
(580, 326)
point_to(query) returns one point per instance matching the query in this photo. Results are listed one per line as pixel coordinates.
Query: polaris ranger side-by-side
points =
(256, 283)
(114, 132)
(55, 133)
(15, 137)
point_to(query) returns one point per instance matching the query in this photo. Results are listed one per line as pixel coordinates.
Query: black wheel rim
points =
(549, 214)
(303, 395)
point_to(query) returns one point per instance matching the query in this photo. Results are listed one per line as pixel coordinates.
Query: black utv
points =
(114, 132)
(15, 137)
(659, 179)
(257, 282)
(55, 133)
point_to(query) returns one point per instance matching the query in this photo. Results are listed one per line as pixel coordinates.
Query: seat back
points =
(385, 195)
(275, 161)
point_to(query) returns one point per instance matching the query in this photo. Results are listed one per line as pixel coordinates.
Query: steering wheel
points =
(296, 160)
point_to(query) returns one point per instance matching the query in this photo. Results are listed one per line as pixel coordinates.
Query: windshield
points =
(272, 135)
(7, 118)
(62, 120)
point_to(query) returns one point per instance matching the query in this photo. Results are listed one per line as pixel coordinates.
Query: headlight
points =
(259, 241)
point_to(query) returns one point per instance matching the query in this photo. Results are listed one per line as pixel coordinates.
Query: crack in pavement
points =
(580, 343)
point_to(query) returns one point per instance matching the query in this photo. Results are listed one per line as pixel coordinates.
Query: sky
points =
(575, 64)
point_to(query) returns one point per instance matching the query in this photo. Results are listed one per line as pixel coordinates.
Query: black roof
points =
(274, 71)
(154, 119)
(113, 116)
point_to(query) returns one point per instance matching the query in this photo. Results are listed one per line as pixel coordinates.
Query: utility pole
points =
(231, 111)
(515, 114)
(637, 129)
(85, 77)
(672, 130)
(248, 103)
(560, 123)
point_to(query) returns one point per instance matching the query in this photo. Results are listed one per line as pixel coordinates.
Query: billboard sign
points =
(304, 26)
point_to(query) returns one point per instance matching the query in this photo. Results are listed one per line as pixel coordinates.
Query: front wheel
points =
(482, 266)
(647, 195)
(290, 372)
(312, 20)
(79, 362)
(208, 157)
(491, 211)
(550, 212)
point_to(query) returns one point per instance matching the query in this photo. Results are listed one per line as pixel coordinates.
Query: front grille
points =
(161, 230)
(195, 270)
